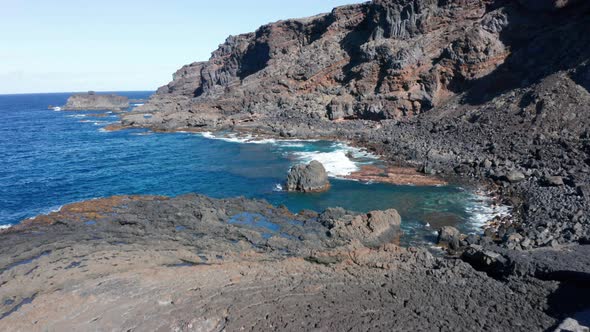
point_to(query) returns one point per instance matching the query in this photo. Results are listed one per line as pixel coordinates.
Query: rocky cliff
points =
(386, 59)
(91, 101)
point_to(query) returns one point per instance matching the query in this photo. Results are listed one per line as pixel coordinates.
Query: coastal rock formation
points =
(372, 229)
(489, 91)
(308, 178)
(96, 102)
(449, 237)
(193, 263)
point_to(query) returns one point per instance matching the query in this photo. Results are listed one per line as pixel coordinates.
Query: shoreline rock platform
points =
(193, 263)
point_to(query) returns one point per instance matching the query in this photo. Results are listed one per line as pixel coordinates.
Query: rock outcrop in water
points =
(308, 178)
(94, 102)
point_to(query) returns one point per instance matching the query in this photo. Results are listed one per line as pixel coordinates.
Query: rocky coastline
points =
(488, 93)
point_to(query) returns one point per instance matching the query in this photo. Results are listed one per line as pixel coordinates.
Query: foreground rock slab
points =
(192, 263)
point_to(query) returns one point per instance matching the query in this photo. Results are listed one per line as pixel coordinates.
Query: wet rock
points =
(449, 237)
(308, 178)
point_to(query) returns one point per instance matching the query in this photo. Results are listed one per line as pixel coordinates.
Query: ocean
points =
(50, 158)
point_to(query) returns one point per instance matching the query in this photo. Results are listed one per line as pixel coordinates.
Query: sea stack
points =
(92, 102)
(308, 178)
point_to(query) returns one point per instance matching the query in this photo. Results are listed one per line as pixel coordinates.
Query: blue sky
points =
(66, 45)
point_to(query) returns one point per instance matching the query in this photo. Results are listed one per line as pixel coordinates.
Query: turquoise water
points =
(49, 158)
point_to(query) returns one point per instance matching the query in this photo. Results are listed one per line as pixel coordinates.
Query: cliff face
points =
(91, 101)
(386, 59)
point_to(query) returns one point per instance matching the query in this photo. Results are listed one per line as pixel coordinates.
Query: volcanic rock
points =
(449, 237)
(95, 102)
(554, 181)
(308, 178)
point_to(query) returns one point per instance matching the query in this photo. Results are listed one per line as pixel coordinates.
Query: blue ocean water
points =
(50, 158)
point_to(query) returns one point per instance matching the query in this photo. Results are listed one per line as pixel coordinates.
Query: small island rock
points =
(93, 102)
(308, 178)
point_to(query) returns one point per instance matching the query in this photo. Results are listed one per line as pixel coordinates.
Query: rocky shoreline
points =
(488, 93)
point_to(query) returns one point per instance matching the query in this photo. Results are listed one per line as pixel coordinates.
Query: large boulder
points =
(308, 178)
(373, 229)
(449, 237)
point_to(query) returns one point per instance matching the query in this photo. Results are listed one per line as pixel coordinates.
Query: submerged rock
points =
(308, 178)
(93, 102)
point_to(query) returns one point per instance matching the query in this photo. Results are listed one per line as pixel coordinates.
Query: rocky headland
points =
(96, 102)
(488, 92)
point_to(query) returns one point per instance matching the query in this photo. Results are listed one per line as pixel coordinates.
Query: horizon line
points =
(59, 92)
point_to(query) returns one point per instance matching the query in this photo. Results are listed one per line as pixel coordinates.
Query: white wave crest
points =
(278, 187)
(5, 226)
(249, 139)
(482, 210)
(341, 161)
(337, 163)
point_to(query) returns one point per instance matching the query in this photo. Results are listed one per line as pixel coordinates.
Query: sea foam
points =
(337, 163)
(340, 162)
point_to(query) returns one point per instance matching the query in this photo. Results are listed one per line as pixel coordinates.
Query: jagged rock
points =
(449, 237)
(94, 102)
(554, 181)
(308, 178)
(515, 177)
(373, 229)
(488, 261)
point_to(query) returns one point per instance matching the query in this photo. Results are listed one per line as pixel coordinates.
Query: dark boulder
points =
(449, 237)
(308, 178)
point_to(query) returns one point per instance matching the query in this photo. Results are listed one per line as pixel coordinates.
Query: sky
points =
(124, 45)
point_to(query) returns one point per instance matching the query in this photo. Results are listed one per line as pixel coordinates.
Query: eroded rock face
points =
(308, 178)
(91, 101)
(379, 60)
